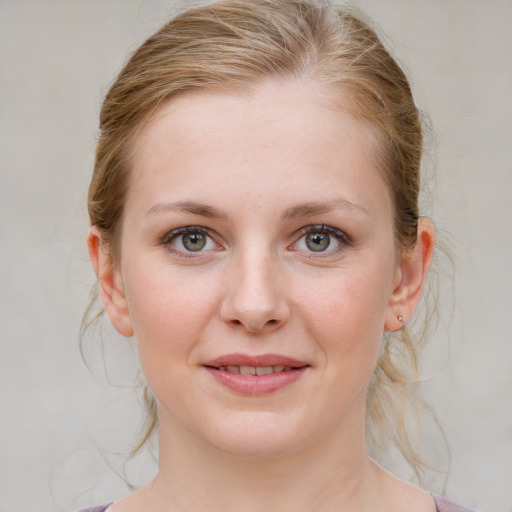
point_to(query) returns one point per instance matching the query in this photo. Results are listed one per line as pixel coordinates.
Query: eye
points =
(321, 239)
(317, 242)
(190, 239)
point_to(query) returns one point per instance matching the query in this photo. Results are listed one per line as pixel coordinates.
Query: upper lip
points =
(258, 360)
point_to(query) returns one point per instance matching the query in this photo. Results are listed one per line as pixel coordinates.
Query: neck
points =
(334, 472)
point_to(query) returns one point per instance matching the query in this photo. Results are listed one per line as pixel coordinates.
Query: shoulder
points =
(444, 505)
(99, 508)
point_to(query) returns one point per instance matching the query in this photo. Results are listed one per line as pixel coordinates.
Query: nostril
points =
(255, 328)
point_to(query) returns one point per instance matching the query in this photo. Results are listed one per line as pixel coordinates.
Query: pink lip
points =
(261, 360)
(253, 385)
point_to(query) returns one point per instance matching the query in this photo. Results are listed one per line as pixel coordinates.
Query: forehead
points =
(279, 137)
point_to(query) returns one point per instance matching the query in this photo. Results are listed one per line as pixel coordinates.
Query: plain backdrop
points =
(64, 430)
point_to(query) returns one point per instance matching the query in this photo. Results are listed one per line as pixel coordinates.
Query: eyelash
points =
(341, 238)
(170, 237)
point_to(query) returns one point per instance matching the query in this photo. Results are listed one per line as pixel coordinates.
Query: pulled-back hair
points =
(235, 44)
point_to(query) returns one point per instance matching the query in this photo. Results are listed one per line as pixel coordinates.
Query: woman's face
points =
(257, 238)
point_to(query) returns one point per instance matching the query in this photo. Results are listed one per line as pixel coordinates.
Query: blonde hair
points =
(236, 44)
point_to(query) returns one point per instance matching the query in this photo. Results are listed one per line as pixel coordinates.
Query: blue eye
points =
(322, 239)
(190, 239)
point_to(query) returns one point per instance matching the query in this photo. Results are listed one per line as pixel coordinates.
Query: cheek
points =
(347, 320)
(169, 312)
(348, 305)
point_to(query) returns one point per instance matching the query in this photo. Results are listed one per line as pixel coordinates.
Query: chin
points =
(260, 435)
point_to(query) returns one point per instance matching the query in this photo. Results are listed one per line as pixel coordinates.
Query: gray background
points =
(57, 59)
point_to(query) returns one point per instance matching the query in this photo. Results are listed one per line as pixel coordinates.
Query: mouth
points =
(256, 375)
(253, 370)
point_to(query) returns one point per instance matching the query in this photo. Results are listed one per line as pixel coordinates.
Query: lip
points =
(237, 359)
(254, 385)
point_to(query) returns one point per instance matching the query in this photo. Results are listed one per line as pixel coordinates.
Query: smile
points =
(256, 375)
(255, 370)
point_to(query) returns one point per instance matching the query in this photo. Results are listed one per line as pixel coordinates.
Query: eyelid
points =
(170, 236)
(342, 237)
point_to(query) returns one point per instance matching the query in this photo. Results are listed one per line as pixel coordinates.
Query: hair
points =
(236, 44)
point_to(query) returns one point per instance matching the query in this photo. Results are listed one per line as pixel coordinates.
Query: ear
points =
(109, 283)
(411, 277)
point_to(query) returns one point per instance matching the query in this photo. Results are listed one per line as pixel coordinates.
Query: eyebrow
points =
(188, 207)
(317, 208)
(303, 210)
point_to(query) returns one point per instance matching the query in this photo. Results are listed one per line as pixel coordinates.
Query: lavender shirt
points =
(442, 505)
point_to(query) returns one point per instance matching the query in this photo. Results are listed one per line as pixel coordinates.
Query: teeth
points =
(255, 370)
(247, 370)
(263, 370)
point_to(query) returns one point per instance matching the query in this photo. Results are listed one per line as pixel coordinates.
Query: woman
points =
(255, 227)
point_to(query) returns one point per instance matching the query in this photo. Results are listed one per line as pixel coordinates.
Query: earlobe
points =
(109, 283)
(412, 275)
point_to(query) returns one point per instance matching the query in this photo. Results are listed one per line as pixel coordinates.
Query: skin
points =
(258, 160)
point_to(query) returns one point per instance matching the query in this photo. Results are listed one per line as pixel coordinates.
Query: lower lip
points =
(257, 384)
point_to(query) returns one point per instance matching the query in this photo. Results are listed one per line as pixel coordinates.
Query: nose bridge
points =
(255, 299)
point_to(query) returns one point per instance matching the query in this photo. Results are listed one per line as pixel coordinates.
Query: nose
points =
(255, 298)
